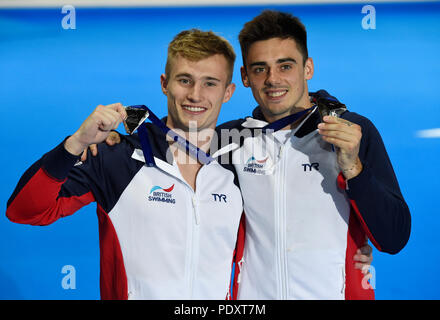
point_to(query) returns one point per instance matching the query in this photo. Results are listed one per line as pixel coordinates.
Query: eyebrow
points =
(212, 78)
(183, 75)
(279, 61)
(190, 76)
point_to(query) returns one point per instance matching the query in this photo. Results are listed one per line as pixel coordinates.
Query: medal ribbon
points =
(193, 150)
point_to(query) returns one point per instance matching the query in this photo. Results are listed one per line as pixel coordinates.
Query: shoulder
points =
(365, 123)
(233, 124)
(128, 143)
(356, 118)
(371, 141)
(112, 157)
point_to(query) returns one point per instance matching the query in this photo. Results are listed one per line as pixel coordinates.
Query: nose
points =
(195, 93)
(272, 77)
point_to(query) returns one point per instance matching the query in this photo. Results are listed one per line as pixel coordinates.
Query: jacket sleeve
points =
(50, 189)
(375, 194)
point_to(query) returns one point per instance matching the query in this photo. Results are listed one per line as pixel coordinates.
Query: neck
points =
(200, 138)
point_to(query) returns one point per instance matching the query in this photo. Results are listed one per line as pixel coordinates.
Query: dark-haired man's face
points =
(278, 77)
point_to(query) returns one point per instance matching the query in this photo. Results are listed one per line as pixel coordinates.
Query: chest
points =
(164, 197)
(189, 173)
(292, 183)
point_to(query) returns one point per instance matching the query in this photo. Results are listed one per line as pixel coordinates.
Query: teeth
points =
(276, 94)
(194, 109)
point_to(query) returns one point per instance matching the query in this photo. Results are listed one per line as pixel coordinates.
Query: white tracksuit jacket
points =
(159, 239)
(304, 222)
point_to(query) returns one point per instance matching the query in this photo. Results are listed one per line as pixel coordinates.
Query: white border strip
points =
(174, 3)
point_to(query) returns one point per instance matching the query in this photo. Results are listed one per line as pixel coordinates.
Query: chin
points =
(277, 110)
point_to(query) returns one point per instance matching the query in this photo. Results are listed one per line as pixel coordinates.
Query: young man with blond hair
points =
(162, 233)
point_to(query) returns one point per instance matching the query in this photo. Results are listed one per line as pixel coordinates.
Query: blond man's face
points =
(196, 91)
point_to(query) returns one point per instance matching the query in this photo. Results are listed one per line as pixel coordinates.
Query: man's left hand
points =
(346, 137)
(363, 258)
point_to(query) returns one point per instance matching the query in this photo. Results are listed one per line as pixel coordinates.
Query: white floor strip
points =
(165, 3)
(429, 133)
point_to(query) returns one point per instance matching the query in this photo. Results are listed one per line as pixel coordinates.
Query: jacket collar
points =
(308, 125)
(158, 142)
(159, 145)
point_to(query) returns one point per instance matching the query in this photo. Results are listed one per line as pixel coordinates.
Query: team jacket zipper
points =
(194, 243)
(194, 237)
(280, 225)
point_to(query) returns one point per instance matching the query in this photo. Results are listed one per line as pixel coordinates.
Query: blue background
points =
(51, 79)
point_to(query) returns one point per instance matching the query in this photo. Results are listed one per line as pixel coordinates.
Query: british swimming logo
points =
(159, 194)
(253, 165)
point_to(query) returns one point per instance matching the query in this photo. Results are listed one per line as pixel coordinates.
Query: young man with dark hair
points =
(316, 186)
(273, 24)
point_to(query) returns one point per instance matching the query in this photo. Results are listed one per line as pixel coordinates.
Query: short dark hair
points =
(273, 24)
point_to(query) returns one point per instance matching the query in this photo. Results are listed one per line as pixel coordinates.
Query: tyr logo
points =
(314, 165)
(219, 197)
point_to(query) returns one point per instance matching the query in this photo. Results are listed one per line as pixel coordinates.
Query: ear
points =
(244, 77)
(309, 69)
(229, 92)
(164, 83)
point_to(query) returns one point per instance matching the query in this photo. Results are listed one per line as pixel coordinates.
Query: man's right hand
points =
(96, 127)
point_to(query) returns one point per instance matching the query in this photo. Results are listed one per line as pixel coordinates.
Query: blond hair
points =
(196, 45)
